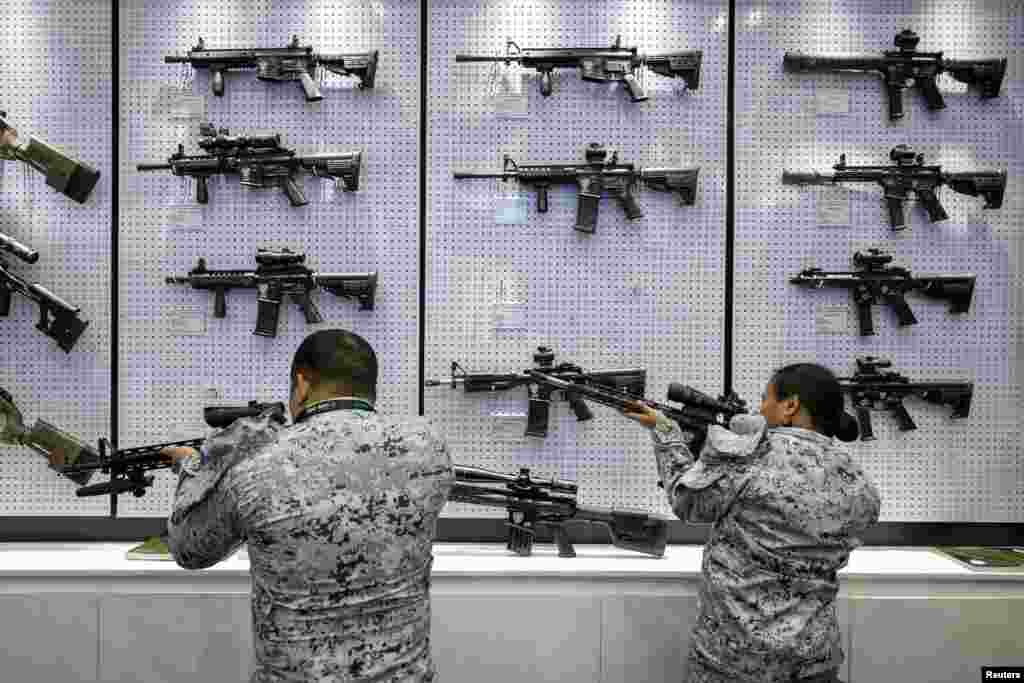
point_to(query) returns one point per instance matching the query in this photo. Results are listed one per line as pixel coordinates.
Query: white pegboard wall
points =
(953, 471)
(167, 378)
(56, 65)
(646, 293)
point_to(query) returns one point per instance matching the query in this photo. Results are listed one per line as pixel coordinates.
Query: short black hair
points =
(820, 395)
(339, 357)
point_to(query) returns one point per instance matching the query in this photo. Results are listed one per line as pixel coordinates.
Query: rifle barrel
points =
(482, 58)
(153, 167)
(472, 174)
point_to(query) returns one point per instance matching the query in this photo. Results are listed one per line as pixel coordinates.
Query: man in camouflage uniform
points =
(787, 505)
(339, 512)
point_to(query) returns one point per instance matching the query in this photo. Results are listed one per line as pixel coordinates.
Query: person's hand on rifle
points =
(175, 453)
(8, 137)
(643, 414)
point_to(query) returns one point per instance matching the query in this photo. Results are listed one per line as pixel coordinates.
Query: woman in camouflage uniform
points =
(787, 505)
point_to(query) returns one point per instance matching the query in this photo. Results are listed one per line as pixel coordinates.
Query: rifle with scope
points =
(536, 504)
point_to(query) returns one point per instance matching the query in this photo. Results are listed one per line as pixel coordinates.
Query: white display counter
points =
(83, 612)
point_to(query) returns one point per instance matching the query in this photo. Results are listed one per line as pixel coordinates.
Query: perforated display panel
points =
(968, 470)
(647, 293)
(56, 65)
(167, 377)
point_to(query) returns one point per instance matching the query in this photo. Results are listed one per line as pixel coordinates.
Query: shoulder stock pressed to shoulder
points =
(220, 417)
(685, 65)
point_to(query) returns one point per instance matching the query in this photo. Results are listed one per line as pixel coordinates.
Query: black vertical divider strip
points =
(730, 201)
(421, 375)
(115, 203)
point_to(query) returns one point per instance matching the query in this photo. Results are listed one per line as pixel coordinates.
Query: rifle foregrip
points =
(309, 87)
(895, 102)
(905, 422)
(547, 85)
(217, 82)
(932, 96)
(202, 191)
(220, 303)
(633, 87)
(897, 221)
(267, 313)
(542, 199)
(864, 420)
(586, 211)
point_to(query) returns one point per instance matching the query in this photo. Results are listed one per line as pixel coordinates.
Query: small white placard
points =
(182, 218)
(508, 426)
(832, 319)
(947, 84)
(209, 392)
(188, 321)
(511, 209)
(829, 101)
(510, 98)
(833, 208)
(187, 107)
(509, 315)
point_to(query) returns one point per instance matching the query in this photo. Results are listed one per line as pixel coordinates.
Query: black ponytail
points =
(820, 395)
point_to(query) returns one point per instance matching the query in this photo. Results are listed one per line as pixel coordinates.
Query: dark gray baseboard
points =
(490, 530)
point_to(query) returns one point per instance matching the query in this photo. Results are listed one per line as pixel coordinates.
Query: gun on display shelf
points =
(601, 175)
(292, 63)
(58, 319)
(872, 388)
(905, 67)
(615, 64)
(128, 467)
(541, 394)
(697, 411)
(260, 162)
(534, 504)
(876, 282)
(909, 174)
(22, 251)
(71, 178)
(279, 273)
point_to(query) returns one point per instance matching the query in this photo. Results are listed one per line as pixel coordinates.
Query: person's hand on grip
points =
(643, 414)
(175, 453)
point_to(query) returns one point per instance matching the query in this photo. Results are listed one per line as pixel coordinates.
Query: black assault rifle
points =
(541, 394)
(259, 162)
(615, 64)
(872, 389)
(601, 175)
(127, 467)
(906, 67)
(876, 283)
(277, 274)
(909, 174)
(292, 63)
(534, 504)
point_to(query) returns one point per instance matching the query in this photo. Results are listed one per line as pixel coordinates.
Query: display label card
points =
(210, 392)
(184, 218)
(507, 426)
(948, 84)
(833, 208)
(187, 320)
(831, 101)
(832, 319)
(511, 209)
(508, 316)
(510, 98)
(185, 107)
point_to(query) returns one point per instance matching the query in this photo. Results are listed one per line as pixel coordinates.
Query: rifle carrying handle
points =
(932, 205)
(864, 419)
(202, 191)
(633, 87)
(932, 96)
(586, 211)
(267, 314)
(293, 191)
(217, 84)
(309, 87)
(906, 423)
(895, 102)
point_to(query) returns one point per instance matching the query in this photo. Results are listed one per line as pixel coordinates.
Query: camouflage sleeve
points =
(203, 528)
(701, 490)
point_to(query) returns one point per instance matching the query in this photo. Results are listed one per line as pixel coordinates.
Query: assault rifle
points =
(615, 64)
(127, 467)
(22, 251)
(292, 63)
(534, 504)
(698, 411)
(876, 282)
(58, 319)
(279, 273)
(259, 162)
(872, 389)
(601, 175)
(69, 177)
(909, 174)
(541, 394)
(906, 67)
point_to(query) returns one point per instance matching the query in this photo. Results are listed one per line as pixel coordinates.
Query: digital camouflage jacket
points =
(787, 506)
(339, 513)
